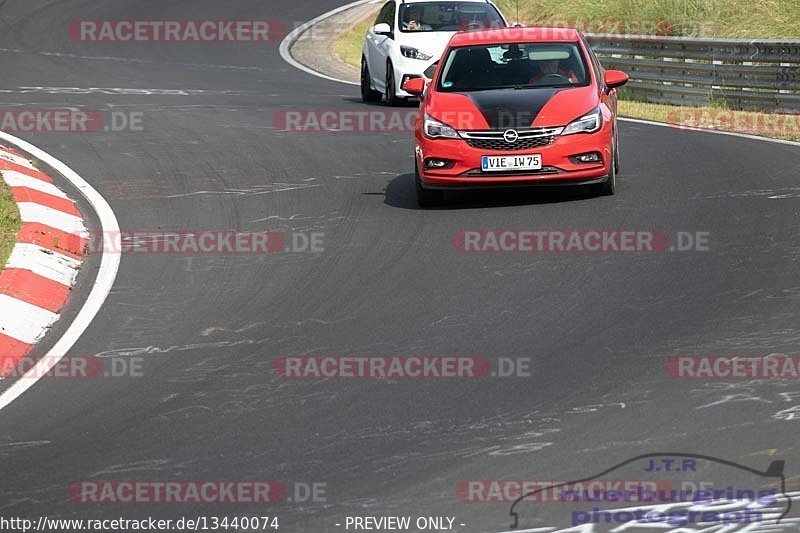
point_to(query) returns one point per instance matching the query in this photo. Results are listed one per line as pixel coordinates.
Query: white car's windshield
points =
(517, 65)
(448, 16)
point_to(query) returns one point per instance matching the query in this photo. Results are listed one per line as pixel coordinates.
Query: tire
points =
(368, 95)
(616, 151)
(426, 197)
(609, 187)
(391, 91)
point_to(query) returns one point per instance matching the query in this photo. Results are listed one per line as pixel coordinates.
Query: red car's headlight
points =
(434, 129)
(588, 123)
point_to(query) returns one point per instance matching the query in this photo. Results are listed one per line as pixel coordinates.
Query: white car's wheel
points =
(368, 94)
(391, 88)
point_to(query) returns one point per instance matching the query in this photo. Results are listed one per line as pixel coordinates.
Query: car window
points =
(431, 70)
(516, 65)
(449, 16)
(596, 66)
(389, 15)
(380, 16)
(386, 14)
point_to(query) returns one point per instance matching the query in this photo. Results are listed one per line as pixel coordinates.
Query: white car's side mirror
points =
(382, 29)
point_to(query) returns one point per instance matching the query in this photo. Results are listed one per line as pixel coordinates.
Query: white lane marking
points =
(289, 40)
(50, 265)
(126, 91)
(18, 179)
(8, 156)
(33, 212)
(106, 274)
(255, 191)
(118, 59)
(23, 321)
(706, 130)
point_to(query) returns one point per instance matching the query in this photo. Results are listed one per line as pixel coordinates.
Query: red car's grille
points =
(511, 140)
(501, 145)
(478, 173)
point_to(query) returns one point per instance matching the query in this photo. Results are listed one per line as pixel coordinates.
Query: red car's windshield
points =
(516, 65)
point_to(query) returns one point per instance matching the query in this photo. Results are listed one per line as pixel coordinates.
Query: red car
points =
(514, 107)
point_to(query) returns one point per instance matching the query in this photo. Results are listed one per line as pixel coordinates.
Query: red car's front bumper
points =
(558, 167)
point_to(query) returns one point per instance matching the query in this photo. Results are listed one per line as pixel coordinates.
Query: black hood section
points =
(511, 108)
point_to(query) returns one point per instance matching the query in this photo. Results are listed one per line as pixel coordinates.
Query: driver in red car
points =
(550, 67)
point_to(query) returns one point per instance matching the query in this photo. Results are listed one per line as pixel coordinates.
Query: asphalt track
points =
(597, 327)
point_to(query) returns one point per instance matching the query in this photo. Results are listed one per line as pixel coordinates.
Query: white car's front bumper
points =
(407, 68)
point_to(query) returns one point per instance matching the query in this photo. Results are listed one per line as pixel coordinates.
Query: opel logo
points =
(511, 136)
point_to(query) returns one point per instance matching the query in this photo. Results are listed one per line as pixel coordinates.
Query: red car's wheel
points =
(426, 197)
(609, 187)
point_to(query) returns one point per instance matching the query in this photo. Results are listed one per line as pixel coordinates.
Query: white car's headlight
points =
(589, 123)
(413, 53)
(434, 129)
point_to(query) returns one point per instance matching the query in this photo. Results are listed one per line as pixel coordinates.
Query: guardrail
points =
(762, 74)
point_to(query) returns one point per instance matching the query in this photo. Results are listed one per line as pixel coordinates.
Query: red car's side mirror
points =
(415, 86)
(615, 78)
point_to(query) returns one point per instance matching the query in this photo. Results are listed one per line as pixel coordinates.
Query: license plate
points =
(490, 163)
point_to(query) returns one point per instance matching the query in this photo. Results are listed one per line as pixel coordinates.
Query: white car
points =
(409, 36)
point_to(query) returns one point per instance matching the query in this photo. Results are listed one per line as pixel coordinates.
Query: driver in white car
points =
(413, 18)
